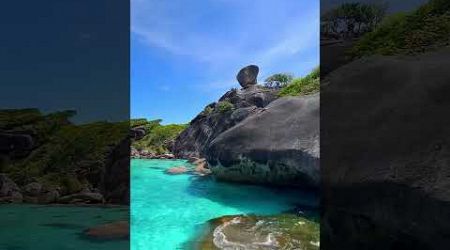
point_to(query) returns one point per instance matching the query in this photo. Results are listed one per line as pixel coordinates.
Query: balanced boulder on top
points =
(247, 76)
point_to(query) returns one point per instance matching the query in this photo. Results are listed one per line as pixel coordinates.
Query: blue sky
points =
(185, 54)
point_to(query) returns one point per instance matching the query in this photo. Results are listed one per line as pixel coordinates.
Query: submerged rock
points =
(279, 145)
(177, 170)
(83, 198)
(201, 167)
(49, 197)
(284, 231)
(109, 231)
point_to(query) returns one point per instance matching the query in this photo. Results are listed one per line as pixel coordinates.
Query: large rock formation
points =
(278, 145)
(232, 108)
(115, 181)
(385, 132)
(250, 135)
(16, 145)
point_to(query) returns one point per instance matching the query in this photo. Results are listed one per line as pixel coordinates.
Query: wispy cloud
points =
(223, 36)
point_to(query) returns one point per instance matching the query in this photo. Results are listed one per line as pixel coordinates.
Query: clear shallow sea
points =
(168, 211)
(24, 227)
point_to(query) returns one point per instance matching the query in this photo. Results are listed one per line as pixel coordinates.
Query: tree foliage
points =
(352, 19)
(64, 155)
(158, 136)
(278, 80)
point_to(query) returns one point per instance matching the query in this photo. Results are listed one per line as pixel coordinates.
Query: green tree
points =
(278, 80)
(352, 19)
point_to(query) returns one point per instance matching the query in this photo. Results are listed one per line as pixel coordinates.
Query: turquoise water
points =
(56, 227)
(168, 211)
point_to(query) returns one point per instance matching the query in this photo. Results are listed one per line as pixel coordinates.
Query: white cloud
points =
(229, 35)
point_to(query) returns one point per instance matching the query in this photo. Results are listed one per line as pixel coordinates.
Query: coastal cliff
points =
(47, 159)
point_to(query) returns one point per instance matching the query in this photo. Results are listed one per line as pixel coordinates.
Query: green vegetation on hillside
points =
(32, 121)
(303, 85)
(403, 33)
(67, 156)
(352, 19)
(224, 106)
(158, 137)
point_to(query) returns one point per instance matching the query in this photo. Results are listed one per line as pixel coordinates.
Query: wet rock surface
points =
(283, 231)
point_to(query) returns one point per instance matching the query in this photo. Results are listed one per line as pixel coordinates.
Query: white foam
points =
(221, 242)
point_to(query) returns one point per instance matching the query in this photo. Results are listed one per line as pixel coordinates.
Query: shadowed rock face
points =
(385, 133)
(247, 76)
(137, 133)
(278, 146)
(16, 145)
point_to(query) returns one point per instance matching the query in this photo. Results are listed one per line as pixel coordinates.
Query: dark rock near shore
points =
(279, 145)
(9, 191)
(82, 198)
(51, 196)
(33, 188)
(114, 185)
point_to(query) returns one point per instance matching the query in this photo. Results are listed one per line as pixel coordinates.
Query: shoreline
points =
(68, 205)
